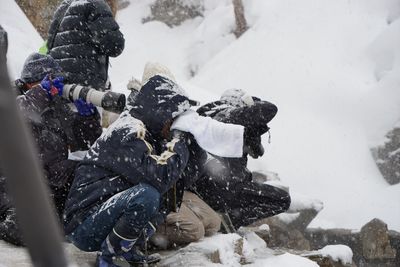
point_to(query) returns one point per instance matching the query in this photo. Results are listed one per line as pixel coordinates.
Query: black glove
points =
(252, 143)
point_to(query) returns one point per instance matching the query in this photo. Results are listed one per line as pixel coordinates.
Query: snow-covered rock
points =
(387, 157)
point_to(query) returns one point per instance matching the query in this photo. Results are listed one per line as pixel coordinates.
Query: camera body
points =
(110, 101)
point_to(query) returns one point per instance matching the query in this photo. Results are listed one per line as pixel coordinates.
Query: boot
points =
(116, 245)
(148, 231)
(137, 258)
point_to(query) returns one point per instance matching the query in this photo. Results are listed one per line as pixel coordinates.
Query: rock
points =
(40, 13)
(387, 157)
(322, 259)
(375, 241)
(263, 231)
(123, 4)
(320, 238)
(373, 246)
(395, 242)
(287, 229)
(326, 261)
(214, 256)
(174, 12)
(282, 235)
(238, 249)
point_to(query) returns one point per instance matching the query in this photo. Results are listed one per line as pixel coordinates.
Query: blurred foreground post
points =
(18, 159)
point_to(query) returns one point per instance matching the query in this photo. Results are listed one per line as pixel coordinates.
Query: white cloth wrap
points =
(218, 138)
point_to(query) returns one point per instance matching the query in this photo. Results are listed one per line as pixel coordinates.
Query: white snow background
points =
(331, 67)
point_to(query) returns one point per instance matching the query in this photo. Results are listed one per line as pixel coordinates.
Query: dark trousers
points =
(244, 201)
(127, 212)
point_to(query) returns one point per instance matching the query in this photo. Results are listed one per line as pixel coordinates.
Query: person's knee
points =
(151, 194)
(184, 227)
(187, 232)
(147, 196)
(196, 233)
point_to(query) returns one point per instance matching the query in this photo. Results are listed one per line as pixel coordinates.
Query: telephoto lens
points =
(110, 101)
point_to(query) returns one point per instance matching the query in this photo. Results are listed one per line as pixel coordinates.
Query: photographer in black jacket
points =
(56, 129)
(227, 185)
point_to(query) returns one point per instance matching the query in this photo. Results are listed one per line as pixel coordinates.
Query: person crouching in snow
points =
(227, 185)
(122, 183)
(56, 130)
(191, 218)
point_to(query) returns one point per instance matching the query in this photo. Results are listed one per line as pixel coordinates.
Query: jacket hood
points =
(158, 101)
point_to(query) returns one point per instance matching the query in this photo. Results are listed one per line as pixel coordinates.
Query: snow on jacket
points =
(227, 184)
(131, 151)
(82, 37)
(56, 130)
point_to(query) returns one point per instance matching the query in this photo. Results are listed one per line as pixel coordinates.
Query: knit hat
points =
(151, 70)
(37, 66)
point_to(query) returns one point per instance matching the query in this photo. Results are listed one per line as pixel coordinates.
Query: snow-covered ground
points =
(331, 67)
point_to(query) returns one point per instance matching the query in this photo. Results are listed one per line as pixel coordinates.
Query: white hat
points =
(152, 69)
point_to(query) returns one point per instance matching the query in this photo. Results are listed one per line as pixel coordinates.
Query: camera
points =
(110, 101)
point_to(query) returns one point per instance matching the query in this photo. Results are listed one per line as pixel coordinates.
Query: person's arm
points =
(106, 35)
(160, 171)
(195, 167)
(33, 103)
(86, 129)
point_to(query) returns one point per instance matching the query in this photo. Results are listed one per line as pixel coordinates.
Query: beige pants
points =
(194, 220)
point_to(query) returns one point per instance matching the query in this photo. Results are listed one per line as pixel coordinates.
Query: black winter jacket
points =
(255, 119)
(130, 152)
(227, 184)
(82, 37)
(57, 129)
